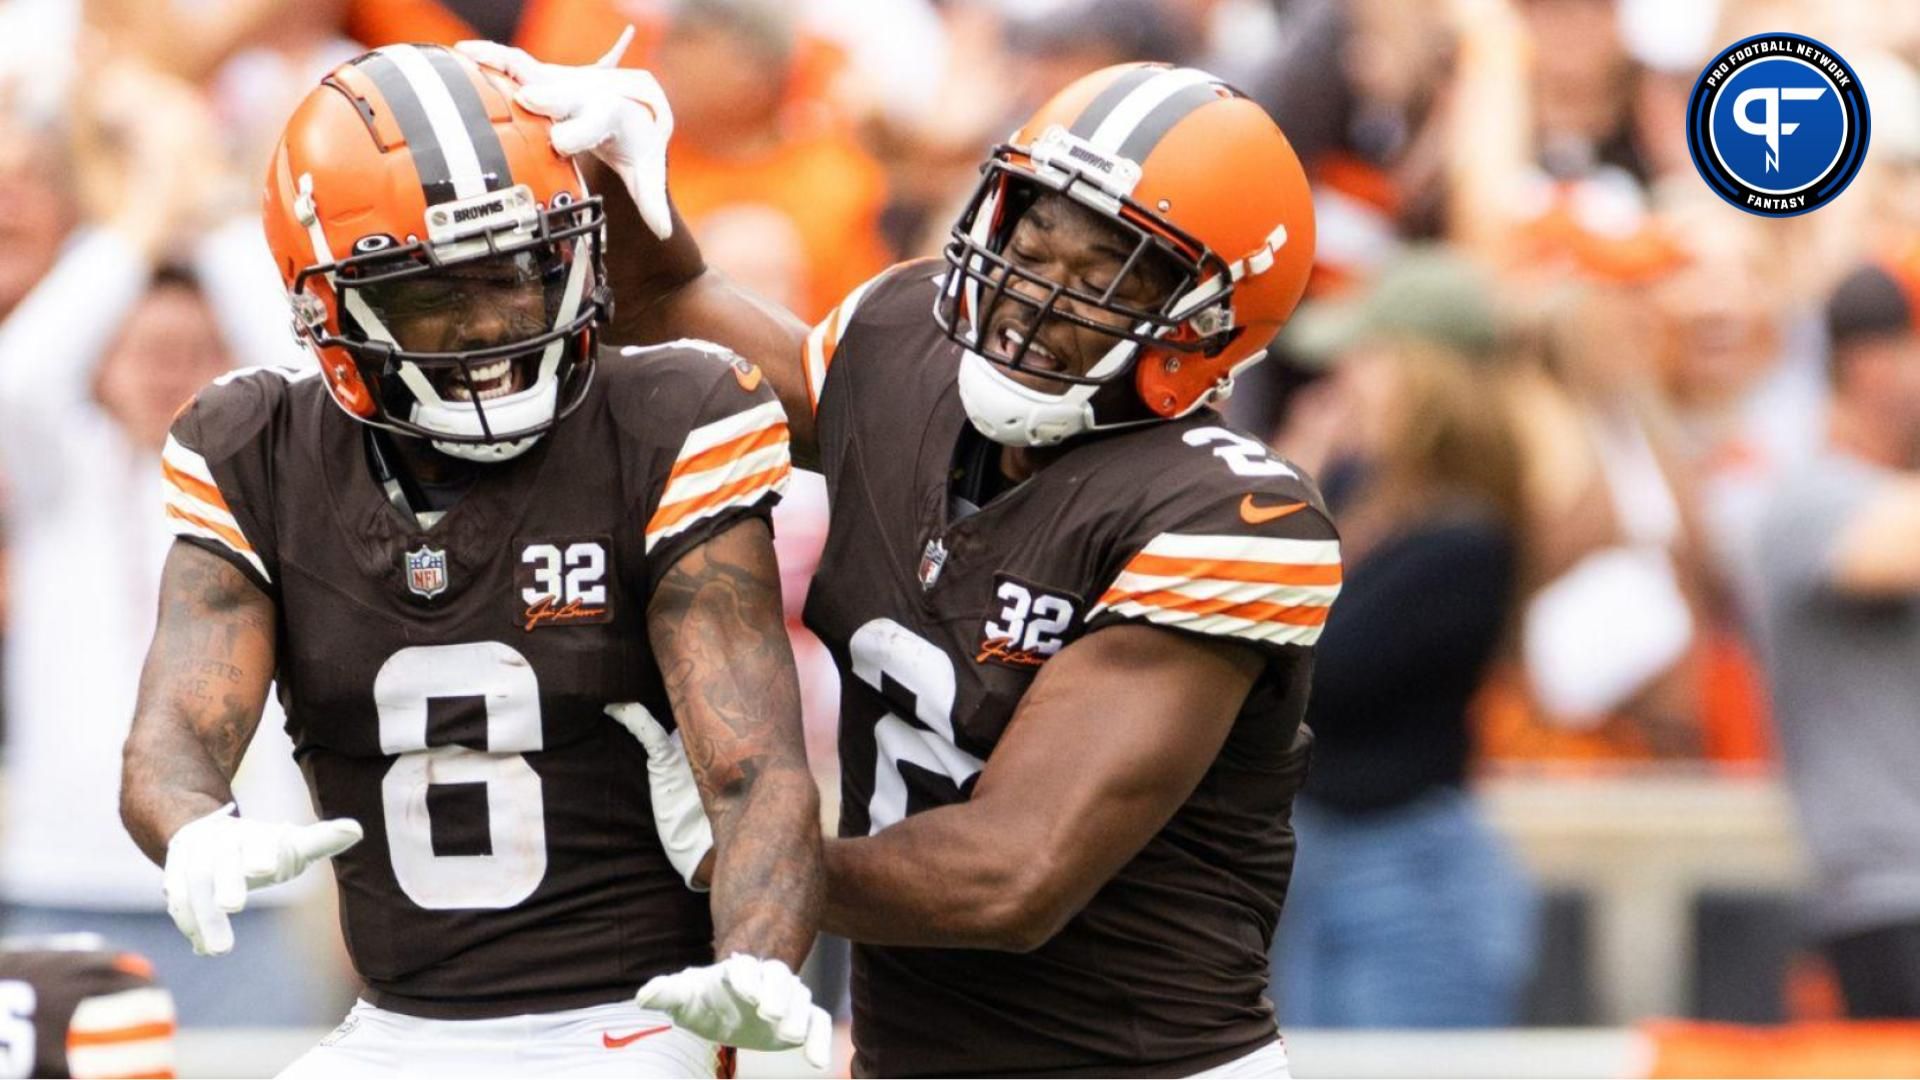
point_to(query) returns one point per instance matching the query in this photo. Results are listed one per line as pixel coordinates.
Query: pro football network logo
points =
(1778, 125)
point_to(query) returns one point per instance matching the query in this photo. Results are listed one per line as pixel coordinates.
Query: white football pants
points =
(1268, 1063)
(620, 1039)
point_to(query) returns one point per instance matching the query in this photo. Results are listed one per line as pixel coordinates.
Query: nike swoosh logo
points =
(1260, 515)
(607, 1040)
(749, 378)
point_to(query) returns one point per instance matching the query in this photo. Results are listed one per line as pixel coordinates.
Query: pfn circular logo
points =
(1778, 124)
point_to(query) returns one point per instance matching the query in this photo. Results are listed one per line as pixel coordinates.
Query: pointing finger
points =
(325, 839)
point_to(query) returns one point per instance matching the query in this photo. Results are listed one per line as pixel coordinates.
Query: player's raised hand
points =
(619, 115)
(745, 1002)
(213, 861)
(677, 811)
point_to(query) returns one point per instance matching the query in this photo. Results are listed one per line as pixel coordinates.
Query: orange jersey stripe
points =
(716, 456)
(831, 339)
(1236, 570)
(231, 536)
(194, 486)
(1292, 615)
(669, 516)
(164, 1074)
(159, 1029)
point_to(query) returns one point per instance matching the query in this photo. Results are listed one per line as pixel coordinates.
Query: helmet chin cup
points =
(530, 409)
(486, 453)
(1013, 414)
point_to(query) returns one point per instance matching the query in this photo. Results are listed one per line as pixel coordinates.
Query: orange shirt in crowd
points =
(826, 186)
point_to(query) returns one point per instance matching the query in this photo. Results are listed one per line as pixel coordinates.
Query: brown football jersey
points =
(940, 618)
(445, 687)
(69, 1006)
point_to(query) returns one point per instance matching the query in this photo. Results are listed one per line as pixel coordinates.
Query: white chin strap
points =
(1013, 414)
(531, 407)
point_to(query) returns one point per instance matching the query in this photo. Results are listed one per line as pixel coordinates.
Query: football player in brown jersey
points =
(1074, 612)
(71, 1006)
(473, 549)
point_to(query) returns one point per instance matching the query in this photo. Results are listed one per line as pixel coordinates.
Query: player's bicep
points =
(1141, 713)
(719, 639)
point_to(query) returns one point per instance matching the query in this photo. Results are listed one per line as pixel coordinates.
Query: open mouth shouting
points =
(484, 382)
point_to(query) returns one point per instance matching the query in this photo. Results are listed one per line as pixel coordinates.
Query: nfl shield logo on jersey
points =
(931, 560)
(427, 571)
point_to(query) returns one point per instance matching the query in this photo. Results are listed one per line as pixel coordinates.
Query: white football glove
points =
(678, 812)
(745, 1002)
(213, 861)
(619, 115)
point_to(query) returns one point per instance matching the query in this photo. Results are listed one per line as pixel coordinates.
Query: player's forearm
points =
(168, 777)
(939, 879)
(723, 653)
(767, 882)
(201, 692)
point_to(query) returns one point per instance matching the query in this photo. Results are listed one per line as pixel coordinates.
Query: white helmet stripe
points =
(449, 130)
(1112, 133)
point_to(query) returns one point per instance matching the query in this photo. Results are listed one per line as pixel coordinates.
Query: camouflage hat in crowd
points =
(1427, 295)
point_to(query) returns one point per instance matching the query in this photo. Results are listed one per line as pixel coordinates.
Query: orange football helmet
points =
(409, 182)
(1181, 164)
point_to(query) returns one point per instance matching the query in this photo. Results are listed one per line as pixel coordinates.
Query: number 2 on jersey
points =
(1242, 455)
(509, 696)
(883, 647)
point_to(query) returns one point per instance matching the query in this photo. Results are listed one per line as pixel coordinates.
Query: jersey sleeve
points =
(733, 463)
(1260, 570)
(823, 343)
(216, 473)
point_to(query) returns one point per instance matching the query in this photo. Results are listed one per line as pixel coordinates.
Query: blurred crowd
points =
(1623, 475)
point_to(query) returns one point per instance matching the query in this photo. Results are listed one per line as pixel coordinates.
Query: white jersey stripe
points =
(1285, 552)
(144, 1057)
(187, 503)
(122, 1009)
(695, 485)
(747, 421)
(188, 528)
(1240, 592)
(815, 359)
(456, 146)
(1225, 625)
(746, 498)
(187, 461)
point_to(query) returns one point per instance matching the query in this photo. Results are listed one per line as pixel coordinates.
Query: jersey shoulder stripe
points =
(823, 342)
(195, 507)
(1264, 589)
(736, 460)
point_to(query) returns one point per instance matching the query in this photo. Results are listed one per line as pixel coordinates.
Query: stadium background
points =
(1503, 179)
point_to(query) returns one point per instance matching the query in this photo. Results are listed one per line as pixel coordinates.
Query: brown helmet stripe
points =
(1154, 126)
(473, 114)
(436, 180)
(1115, 92)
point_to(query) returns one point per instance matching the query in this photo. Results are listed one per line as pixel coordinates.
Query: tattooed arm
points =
(201, 692)
(721, 643)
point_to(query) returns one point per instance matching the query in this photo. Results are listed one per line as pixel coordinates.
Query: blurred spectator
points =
(1619, 583)
(1840, 565)
(726, 65)
(1406, 910)
(93, 363)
